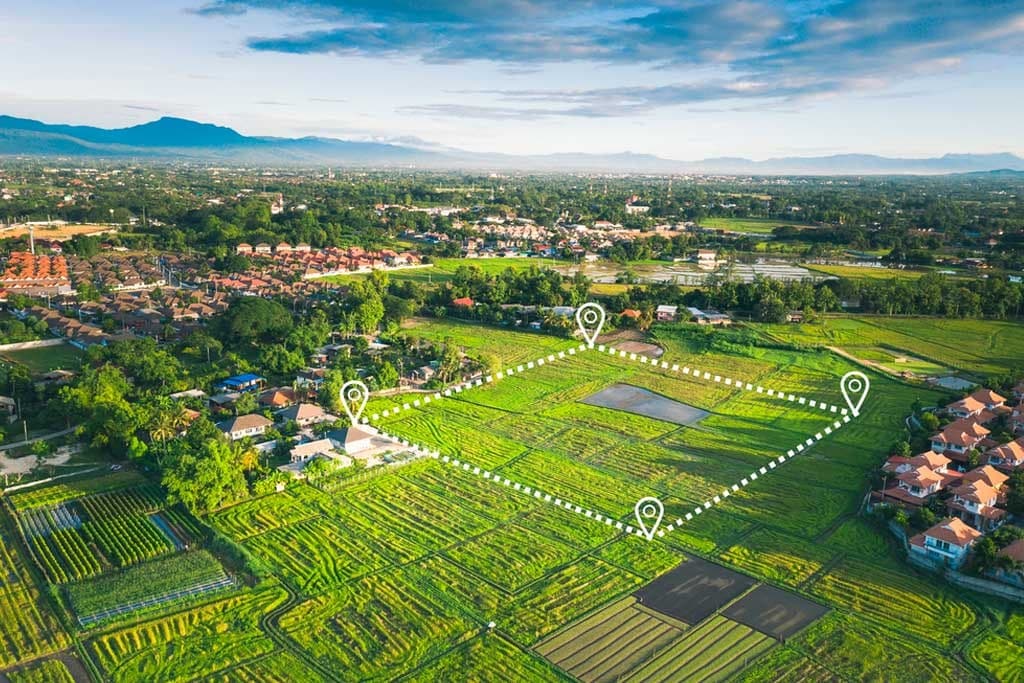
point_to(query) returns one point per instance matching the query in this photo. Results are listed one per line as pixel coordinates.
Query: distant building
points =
(666, 313)
(243, 383)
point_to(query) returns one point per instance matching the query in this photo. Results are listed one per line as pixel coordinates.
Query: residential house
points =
(8, 408)
(462, 302)
(708, 317)
(1015, 573)
(914, 480)
(946, 543)
(304, 414)
(356, 440)
(959, 438)
(631, 313)
(243, 248)
(666, 313)
(281, 397)
(242, 383)
(424, 373)
(795, 317)
(244, 426)
(321, 448)
(975, 404)
(1007, 456)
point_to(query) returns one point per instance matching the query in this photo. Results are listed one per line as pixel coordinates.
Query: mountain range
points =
(170, 138)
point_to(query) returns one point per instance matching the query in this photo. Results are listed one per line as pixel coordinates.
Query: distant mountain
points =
(171, 138)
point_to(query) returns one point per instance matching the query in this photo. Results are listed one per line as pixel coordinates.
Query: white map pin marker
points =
(354, 393)
(855, 385)
(649, 512)
(590, 318)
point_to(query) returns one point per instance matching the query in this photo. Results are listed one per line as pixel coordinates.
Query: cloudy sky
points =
(678, 78)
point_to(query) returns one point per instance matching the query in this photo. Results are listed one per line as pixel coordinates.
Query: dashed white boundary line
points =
(503, 481)
(480, 381)
(497, 479)
(698, 374)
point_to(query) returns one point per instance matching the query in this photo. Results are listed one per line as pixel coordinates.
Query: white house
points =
(244, 426)
(321, 448)
(666, 313)
(304, 414)
(356, 439)
(948, 542)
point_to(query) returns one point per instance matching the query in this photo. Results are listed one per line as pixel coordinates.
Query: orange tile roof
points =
(954, 531)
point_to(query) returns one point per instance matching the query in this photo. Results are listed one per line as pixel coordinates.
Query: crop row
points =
(49, 496)
(46, 559)
(512, 556)
(127, 540)
(713, 651)
(27, 629)
(81, 563)
(140, 500)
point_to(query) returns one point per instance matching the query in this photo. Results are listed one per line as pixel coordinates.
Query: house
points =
(244, 426)
(262, 248)
(356, 439)
(462, 302)
(304, 414)
(708, 317)
(8, 408)
(975, 503)
(707, 258)
(666, 313)
(1008, 456)
(321, 448)
(243, 248)
(958, 438)
(915, 479)
(424, 373)
(277, 398)
(242, 383)
(795, 317)
(973, 405)
(947, 543)
(283, 248)
(631, 313)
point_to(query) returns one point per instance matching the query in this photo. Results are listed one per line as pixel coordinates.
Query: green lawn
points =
(753, 225)
(44, 359)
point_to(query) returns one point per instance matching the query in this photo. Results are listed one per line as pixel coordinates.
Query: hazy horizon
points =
(679, 80)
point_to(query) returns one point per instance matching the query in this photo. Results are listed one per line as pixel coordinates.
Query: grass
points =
(491, 658)
(42, 360)
(761, 226)
(973, 346)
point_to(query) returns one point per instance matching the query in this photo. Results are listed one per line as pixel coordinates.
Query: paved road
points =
(44, 437)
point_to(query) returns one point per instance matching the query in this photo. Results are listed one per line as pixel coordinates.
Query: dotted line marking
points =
(755, 475)
(480, 381)
(504, 482)
(695, 373)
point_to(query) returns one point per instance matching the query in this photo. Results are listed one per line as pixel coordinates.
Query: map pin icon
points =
(855, 385)
(354, 395)
(649, 512)
(590, 318)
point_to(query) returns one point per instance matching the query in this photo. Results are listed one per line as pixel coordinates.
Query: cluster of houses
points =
(966, 470)
(116, 272)
(175, 312)
(303, 262)
(35, 275)
(343, 445)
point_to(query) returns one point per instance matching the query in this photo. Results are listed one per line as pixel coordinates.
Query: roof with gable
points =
(954, 531)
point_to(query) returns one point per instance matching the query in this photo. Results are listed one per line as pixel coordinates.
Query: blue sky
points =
(680, 79)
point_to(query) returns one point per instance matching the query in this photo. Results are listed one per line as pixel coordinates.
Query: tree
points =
(204, 470)
(252, 319)
(929, 422)
(245, 404)
(386, 375)
(330, 391)
(100, 400)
